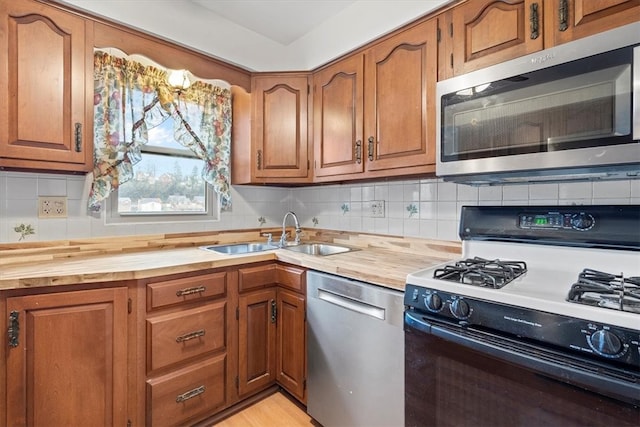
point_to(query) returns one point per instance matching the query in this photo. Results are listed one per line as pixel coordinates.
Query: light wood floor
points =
(275, 410)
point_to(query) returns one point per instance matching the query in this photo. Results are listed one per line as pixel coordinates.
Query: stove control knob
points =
(433, 302)
(460, 309)
(582, 222)
(605, 343)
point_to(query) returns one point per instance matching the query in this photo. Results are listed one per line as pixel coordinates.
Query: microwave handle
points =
(636, 93)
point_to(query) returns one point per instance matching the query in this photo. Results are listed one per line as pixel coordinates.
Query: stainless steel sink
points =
(239, 248)
(320, 249)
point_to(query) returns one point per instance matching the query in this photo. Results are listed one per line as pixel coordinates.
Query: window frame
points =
(212, 199)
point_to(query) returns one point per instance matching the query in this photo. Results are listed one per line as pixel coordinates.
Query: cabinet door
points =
(257, 341)
(486, 32)
(400, 79)
(43, 123)
(291, 343)
(338, 114)
(568, 20)
(280, 120)
(69, 364)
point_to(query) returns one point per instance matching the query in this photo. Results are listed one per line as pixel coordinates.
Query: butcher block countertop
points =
(382, 260)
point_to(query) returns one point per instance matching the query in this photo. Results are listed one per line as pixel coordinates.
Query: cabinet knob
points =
(259, 159)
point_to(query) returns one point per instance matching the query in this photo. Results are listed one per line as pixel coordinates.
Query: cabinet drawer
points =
(250, 278)
(162, 294)
(181, 395)
(179, 336)
(292, 277)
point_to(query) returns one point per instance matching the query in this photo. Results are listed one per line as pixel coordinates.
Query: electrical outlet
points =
(376, 208)
(52, 207)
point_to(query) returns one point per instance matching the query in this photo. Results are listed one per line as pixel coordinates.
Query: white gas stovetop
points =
(551, 270)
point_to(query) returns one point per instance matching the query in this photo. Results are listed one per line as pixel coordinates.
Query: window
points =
(167, 184)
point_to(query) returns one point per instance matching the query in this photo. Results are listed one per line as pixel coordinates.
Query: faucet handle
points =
(269, 237)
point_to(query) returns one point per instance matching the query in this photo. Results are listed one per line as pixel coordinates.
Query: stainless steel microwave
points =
(571, 112)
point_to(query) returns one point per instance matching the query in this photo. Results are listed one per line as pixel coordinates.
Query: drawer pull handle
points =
(189, 291)
(190, 336)
(190, 394)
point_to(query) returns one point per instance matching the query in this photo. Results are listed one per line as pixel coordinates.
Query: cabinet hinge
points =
(129, 305)
(237, 382)
(438, 35)
(451, 29)
(128, 423)
(237, 313)
(308, 164)
(308, 89)
(304, 384)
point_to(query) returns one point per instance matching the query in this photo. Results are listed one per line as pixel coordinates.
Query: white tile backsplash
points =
(438, 204)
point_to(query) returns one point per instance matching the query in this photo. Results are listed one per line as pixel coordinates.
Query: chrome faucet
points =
(283, 238)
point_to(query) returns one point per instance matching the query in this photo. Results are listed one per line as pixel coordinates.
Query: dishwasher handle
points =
(351, 304)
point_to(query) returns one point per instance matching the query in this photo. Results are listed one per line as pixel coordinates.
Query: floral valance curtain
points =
(130, 98)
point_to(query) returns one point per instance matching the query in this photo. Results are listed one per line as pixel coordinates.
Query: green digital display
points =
(540, 220)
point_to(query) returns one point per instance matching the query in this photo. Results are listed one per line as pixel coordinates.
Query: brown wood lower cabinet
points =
(164, 351)
(217, 337)
(291, 343)
(66, 361)
(188, 324)
(272, 328)
(257, 349)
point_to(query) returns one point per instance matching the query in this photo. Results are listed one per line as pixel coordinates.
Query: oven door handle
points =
(509, 352)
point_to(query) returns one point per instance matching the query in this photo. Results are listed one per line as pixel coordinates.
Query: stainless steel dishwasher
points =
(355, 350)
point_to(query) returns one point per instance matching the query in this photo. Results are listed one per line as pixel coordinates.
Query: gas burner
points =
(482, 272)
(606, 290)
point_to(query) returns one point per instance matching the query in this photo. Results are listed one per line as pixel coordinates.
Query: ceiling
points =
(264, 35)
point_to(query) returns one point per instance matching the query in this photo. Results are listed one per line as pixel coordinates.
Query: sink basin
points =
(239, 248)
(320, 249)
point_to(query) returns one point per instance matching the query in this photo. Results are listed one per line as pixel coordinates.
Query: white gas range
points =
(562, 282)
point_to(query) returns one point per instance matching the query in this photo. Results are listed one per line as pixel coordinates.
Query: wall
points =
(19, 204)
(420, 208)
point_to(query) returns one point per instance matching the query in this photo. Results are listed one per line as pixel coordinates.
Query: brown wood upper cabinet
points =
(46, 108)
(568, 20)
(373, 111)
(400, 78)
(479, 33)
(280, 104)
(486, 32)
(338, 118)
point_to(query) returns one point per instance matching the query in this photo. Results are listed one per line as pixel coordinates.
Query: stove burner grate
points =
(482, 272)
(606, 290)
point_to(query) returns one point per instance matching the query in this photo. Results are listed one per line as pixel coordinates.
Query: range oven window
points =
(579, 104)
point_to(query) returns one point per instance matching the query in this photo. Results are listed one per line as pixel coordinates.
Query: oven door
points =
(459, 377)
